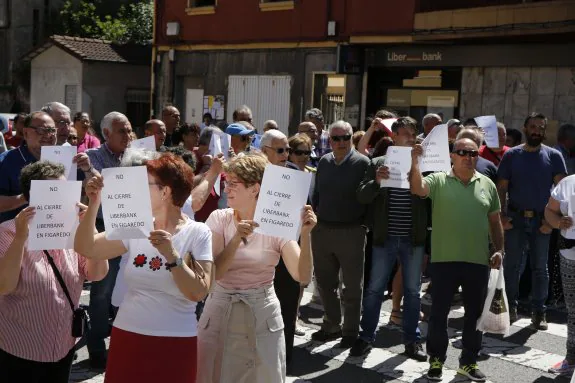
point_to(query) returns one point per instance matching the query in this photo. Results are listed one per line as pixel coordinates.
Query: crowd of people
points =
(213, 300)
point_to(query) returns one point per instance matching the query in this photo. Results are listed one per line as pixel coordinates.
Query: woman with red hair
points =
(155, 331)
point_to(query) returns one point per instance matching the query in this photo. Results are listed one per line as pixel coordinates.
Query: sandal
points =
(396, 317)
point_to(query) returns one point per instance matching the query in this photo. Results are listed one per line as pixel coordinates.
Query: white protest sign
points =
(220, 143)
(435, 156)
(66, 144)
(146, 143)
(54, 225)
(398, 160)
(283, 195)
(388, 122)
(489, 125)
(126, 203)
(62, 155)
(570, 233)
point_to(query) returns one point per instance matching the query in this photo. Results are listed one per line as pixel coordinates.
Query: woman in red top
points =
(83, 126)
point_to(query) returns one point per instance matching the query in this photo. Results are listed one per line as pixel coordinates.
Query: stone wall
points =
(511, 93)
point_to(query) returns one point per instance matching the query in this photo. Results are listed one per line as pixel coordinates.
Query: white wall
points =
(51, 71)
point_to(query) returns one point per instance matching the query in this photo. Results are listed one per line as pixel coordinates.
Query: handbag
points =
(80, 320)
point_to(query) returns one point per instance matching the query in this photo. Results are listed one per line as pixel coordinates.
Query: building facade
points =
(460, 59)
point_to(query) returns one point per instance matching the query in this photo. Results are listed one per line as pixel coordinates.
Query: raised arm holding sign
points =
(435, 156)
(282, 196)
(62, 155)
(126, 203)
(56, 219)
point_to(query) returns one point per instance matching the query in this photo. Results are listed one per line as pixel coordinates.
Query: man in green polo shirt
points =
(465, 212)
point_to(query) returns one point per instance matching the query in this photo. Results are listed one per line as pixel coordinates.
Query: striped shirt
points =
(399, 214)
(36, 318)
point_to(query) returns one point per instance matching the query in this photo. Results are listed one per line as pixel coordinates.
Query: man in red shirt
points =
(15, 140)
(495, 154)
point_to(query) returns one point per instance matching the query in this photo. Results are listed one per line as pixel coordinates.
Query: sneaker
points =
(360, 348)
(472, 372)
(513, 317)
(347, 342)
(562, 368)
(539, 321)
(299, 331)
(435, 372)
(324, 336)
(415, 351)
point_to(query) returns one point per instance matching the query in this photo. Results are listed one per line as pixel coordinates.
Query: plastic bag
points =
(495, 316)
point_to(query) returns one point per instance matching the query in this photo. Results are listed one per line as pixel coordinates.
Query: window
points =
(4, 16)
(201, 7)
(276, 5)
(35, 27)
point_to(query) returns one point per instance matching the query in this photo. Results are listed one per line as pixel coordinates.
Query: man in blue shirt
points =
(526, 175)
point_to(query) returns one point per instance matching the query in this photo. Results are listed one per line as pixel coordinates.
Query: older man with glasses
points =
(39, 131)
(338, 241)
(465, 215)
(60, 113)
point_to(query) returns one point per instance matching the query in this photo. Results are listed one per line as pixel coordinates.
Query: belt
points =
(525, 213)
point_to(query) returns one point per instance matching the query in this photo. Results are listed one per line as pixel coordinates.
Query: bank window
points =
(276, 5)
(4, 16)
(201, 7)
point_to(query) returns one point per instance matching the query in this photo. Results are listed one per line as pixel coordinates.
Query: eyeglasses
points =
(301, 152)
(466, 153)
(42, 131)
(64, 122)
(279, 150)
(72, 137)
(345, 138)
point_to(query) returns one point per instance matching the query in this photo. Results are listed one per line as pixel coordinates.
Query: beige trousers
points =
(241, 338)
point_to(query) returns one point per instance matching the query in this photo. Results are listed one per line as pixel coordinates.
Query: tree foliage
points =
(131, 23)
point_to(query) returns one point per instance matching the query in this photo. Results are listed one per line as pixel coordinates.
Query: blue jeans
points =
(526, 231)
(383, 260)
(99, 309)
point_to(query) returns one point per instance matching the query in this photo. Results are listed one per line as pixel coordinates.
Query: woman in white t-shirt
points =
(557, 215)
(155, 331)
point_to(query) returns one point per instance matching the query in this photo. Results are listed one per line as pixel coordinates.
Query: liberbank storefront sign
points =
(471, 55)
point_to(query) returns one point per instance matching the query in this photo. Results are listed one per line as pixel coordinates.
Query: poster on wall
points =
(215, 106)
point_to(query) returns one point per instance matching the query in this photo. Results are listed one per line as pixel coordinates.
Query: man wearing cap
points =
(241, 136)
(496, 154)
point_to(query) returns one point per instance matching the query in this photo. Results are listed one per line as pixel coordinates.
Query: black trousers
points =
(287, 291)
(18, 370)
(446, 278)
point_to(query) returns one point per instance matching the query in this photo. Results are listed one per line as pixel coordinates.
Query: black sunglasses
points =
(300, 152)
(279, 150)
(346, 138)
(72, 137)
(468, 153)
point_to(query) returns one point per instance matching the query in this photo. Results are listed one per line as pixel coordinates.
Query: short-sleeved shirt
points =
(36, 318)
(487, 168)
(254, 264)
(562, 193)
(11, 164)
(89, 142)
(153, 304)
(530, 176)
(460, 217)
(491, 155)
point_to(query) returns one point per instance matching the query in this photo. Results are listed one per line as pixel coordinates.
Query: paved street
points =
(523, 357)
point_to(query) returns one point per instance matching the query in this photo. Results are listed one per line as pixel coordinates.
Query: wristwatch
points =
(179, 261)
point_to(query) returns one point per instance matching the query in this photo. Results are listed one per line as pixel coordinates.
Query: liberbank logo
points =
(418, 57)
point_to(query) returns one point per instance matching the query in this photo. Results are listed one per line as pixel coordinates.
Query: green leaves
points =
(132, 23)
